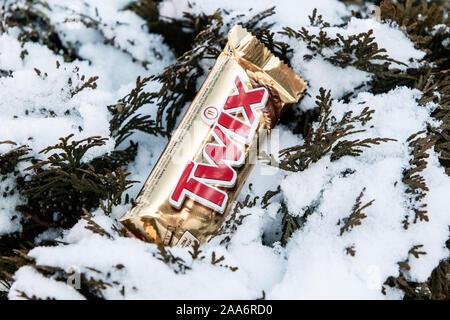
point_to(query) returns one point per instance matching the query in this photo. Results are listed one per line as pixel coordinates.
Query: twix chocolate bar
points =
(193, 185)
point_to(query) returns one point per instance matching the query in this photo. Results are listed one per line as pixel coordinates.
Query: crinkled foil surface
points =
(244, 60)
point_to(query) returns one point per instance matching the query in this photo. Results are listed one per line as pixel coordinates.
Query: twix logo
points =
(200, 181)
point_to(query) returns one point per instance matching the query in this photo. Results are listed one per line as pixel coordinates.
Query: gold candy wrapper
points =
(193, 185)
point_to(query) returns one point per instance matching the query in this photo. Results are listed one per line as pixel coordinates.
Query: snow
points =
(27, 92)
(331, 10)
(45, 288)
(314, 264)
(388, 37)
(380, 241)
(343, 81)
(137, 259)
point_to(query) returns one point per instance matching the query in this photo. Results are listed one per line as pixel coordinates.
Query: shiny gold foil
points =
(153, 218)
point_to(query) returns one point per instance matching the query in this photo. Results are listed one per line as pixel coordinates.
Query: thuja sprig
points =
(416, 188)
(358, 50)
(354, 219)
(235, 220)
(435, 85)
(94, 226)
(176, 263)
(110, 186)
(354, 148)
(195, 253)
(71, 152)
(316, 20)
(279, 48)
(289, 224)
(10, 159)
(265, 201)
(85, 83)
(65, 183)
(326, 137)
(417, 290)
(127, 117)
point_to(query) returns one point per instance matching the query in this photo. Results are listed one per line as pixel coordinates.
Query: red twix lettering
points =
(200, 181)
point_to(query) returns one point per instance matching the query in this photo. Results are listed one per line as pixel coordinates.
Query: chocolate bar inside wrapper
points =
(193, 185)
